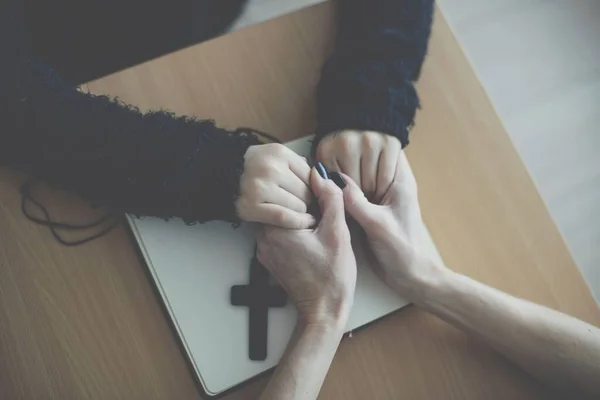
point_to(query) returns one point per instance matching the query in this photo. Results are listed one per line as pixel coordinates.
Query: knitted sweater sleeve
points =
(154, 164)
(368, 82)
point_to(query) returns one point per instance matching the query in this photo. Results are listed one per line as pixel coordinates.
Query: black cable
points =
(54, 226)
(27, 197)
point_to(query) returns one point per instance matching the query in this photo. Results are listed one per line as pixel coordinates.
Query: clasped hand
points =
(316, 266)
(275, 185)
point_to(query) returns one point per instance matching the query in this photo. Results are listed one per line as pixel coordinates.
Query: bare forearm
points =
(303, 367)
(553, 346)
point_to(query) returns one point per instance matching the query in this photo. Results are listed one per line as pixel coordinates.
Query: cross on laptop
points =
(258, 296)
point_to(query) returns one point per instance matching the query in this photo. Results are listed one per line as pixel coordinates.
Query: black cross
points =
(258, 296)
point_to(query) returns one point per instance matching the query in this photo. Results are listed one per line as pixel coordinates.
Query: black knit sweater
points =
(162, 165)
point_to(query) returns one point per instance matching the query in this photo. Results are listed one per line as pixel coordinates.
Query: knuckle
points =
(371, 141)
(347, 145)
(268, 170)
(281, 218)
(277, 150)
(256, 191)
(272, 174)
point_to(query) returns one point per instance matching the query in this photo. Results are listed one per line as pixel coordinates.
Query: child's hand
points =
(369, 158)
(274, 188)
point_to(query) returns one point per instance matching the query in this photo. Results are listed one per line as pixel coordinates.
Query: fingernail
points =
(337, 179)
(321, 170)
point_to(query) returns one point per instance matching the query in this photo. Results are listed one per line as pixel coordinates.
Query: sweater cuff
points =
(380, 104)
(211, 185)
(360, 119)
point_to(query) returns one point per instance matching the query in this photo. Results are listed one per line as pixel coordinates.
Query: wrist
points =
(424, 283)
(330, 315)
(330, 326)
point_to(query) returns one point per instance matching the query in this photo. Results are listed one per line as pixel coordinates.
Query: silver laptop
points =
(195, 268)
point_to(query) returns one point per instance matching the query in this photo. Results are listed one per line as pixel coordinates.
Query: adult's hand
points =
(318, 271)
(394, 229)
(558, 349)
(369, 158)
(316, 267)
(274, 188)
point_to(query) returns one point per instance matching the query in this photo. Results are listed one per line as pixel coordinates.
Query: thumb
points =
(357, 204)
(329, 197)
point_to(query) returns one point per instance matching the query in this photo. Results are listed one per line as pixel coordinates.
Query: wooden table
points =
(84, 323)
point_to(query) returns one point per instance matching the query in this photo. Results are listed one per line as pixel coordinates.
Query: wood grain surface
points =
(85, 323)
(543, 77)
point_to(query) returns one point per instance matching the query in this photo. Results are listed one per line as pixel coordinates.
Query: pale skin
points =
(275, 185)
(369, 158)
(557, 349)
(319, 275)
